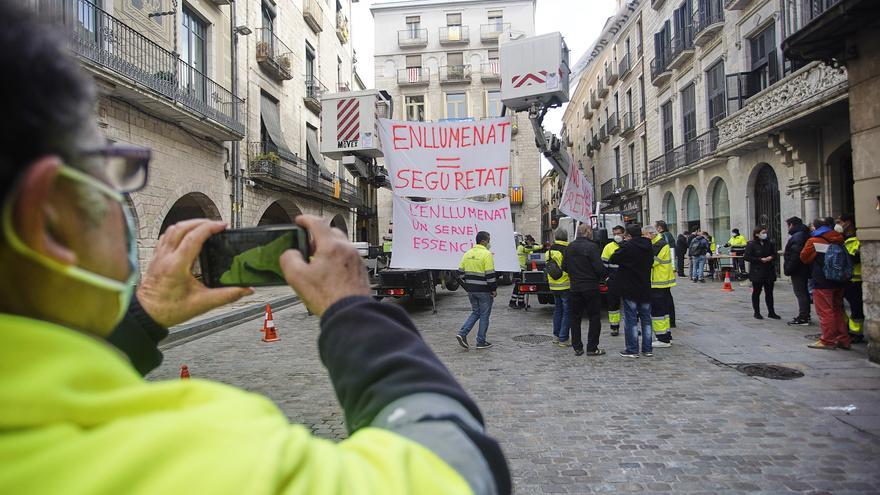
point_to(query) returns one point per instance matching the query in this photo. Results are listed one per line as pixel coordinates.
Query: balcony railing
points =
(799, 13)
(289, 172)
(313, 15)
(453, 35)
(625, 65)
(660, 71)
(489, 33)
(111, 45)
(490, 71)
(273, 55)
(699, 148)
(342, 31)
(611, 73)
(413, 76)
(594, 142)
(455, 74)
(629, 123)
(613, 187)
(603, 133)
(314, 90)
(682, 48)
(594, 101)
(410, 38)
(708, 22)
(602, 88)
(613, 123)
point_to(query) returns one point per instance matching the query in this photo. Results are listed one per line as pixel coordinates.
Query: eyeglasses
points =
(124, 168)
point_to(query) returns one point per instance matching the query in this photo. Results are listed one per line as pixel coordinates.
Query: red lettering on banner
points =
(394, 129)
(409, 136)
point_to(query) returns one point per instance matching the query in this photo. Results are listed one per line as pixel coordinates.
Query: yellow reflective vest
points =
(478, 266)
(77, 418)
(737, 241)
(607, 251)
(563, 282)
(662, 273)
(523, 252)
(853, 245)
(386, 247)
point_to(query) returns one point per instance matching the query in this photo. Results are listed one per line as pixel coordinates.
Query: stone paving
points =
(683, 421)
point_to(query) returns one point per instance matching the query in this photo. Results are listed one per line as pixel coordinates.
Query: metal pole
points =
(237, 201)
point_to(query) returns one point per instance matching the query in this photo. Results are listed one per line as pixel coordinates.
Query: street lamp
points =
(242, 30)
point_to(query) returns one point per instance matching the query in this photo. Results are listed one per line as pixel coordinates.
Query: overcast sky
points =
(580, 22)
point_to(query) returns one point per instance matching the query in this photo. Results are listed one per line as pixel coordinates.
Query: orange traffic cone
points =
(727, 287)
(269, 334)
(266, 316)
(184, 372)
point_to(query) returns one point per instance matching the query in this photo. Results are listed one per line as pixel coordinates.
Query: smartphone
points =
(250, 257)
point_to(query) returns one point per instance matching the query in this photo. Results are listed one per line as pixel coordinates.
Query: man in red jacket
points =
(827, 294)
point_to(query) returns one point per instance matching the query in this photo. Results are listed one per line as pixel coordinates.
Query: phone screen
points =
(250, 257)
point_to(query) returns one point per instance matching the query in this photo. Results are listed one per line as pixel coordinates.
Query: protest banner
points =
(447, 159)
(577, 197)
(436, 233)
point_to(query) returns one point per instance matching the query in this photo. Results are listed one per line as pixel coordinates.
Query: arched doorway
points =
(767, 212)
(692, 209)
(279, 212)
(720, 209)
(670, 213)
(339, 222)
(192, 205)
(840, 180)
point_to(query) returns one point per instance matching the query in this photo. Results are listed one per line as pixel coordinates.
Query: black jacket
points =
(792, 265)
(759, 271)
(633, 280)
(681, 245)
(583, 263)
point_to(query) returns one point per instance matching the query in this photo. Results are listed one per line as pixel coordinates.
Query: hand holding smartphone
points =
(250, 257)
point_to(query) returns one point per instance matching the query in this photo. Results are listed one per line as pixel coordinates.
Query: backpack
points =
(552, 269)
(698, 247)
(838, 266)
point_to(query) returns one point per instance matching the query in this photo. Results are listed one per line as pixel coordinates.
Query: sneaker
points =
(564, 343)
(627, 355)
(758, 316)
(521, 305)
(615, 332)
(578, 352)
(555, 339)
(462, 341)
(484, 345)
(819, 345)
(597, 352)
(648, 354)
(845, 347)
(661, 345)
(774, 316)
(797, 322)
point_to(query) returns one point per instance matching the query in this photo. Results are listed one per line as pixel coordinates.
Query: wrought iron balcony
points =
(642, 114)
(611, 73)
(588, 112)
(602, 88)
(615, 187)
(603, 133)
(490, 71)
(613, 123)
(489, 33)
(412, 38)
(682, 48)
(629, 124)
(700, 149)
(110, 48)
(452, 74)
(314, 90)
(625, 65)
(414, 76)
(342, 31)
(660, 71)
(285, 172)
(273, 56)
(313, 15)
(594, 101)
(595, 142)
(708, 22)
(607, 188)
(454, 35)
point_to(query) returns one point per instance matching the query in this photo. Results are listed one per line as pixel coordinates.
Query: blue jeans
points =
(481, 304)
(697, 266)
(561, 323)
(641, 312)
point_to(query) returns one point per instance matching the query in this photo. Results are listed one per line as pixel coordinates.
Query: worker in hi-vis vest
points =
(77, 319)
(523, 250)
(561, 288)
(853, 291)
(611, 270)
(737, 244)
(662, 280)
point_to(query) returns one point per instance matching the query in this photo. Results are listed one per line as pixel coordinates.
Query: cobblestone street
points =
(684, 421)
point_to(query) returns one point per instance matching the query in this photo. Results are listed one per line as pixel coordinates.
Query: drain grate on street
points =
(533, 338)
(771, 371)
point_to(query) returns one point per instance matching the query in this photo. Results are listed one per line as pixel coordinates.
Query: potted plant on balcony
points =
(269, 157)
(262, 51)
(284, 62)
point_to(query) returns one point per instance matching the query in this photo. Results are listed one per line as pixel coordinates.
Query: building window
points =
(194, 35)
(415, 108)
(715, 88)
(456, 106)
(496, 18)
(670, 213)
(311, 84)
(666, 118)
(720, 209)
(493, 55)
(662, 45)
(617, 162)
(268, 18)
(764, 66)
(684, 30)
(413, 24)
(632, 164)
(455, 59)
(453, 20)
(493, 103)
(689, 112)
(413, 61)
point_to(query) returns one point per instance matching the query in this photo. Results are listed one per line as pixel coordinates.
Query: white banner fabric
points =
(437, 233)
(451, 160)
(577, 197)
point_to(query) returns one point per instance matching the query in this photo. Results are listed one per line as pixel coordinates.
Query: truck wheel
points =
(451, 283)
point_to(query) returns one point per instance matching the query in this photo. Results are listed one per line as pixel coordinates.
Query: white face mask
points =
(762, 236)
(618, 239)
(838, 228)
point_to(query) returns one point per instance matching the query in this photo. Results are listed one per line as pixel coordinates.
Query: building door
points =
(767, 214)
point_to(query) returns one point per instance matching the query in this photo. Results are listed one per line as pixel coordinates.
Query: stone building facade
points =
(191, 80)
(439, 60)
